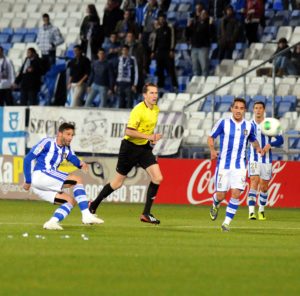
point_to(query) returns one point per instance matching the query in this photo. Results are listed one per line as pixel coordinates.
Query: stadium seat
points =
(4, 38)
(283, 89)
(17, 37)
(283, 107)
(284, 32)
(29, 37)
(212, 79)
(291, 99)
(223, 107)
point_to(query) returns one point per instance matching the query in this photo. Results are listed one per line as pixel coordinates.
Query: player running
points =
(260, 167)
(47, 181)
(230, 172)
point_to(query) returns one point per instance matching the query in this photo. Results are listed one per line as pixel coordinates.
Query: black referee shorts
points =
(131, 154)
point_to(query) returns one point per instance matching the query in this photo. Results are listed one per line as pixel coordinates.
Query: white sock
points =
(251, 209)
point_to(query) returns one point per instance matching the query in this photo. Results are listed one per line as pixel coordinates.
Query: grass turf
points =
(186, 255)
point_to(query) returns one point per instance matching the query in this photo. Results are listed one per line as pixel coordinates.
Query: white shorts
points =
(46, 184)
(230, 179)
(263, 170)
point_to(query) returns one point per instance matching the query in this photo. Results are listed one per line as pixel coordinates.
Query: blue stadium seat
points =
(33, 30)
(206, 107)
(30, 38)
(259, 98)
(283, 107)
(291, 99)
(227, 99)
(21, 31)
(9, 31)
(17, 38)
(223, 107)
(182, 82)
(6, 47)
(4, 38)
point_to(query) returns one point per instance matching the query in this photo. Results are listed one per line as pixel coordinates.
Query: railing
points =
(272, 58)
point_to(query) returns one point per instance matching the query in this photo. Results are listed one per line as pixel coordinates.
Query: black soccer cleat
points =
(149, 218)
(92, 211)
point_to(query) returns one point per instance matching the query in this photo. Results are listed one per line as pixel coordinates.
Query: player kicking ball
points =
(136, 149)
(260, 167)
(47, 181)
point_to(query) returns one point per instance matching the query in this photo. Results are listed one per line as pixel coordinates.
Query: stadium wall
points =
(185, 181)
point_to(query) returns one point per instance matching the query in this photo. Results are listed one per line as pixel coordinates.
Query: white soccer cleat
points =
(52, 225)
(91, 219)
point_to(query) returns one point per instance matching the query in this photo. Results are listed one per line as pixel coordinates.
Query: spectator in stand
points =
(229, 33)
(126, 25)
(136, 50)
(129, 4)
(164, 52)
(29, 78)
(283, 63)
(100, 81)
(48, 38)
(79, 72)
(164, 5)
(295, 59)
(127, 78)
(91, 33)
(112, 47)
(151, 10)
(216, 9)
(7, 77)
(239, 7)
(199, 33)
(139, 13)
(254, 14)
(112, 14)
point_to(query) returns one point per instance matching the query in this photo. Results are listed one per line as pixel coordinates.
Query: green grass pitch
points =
(186, 255)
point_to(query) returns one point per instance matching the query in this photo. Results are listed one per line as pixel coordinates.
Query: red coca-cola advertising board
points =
(192, 182)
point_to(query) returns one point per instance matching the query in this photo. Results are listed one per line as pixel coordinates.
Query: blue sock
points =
(80, 197)
(231, 210)
(63, 211)
(216, 202)
(251, 200)
(263, 198)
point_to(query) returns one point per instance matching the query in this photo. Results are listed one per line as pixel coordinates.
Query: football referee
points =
(136, 149)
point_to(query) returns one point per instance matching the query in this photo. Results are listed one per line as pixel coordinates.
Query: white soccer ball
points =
(271, 127)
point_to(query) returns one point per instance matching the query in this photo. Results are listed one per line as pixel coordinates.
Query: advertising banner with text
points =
(189, 181)
(101, 131)
(185, 181)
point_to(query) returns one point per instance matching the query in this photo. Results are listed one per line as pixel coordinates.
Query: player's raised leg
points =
(109, 188)
(231, 208)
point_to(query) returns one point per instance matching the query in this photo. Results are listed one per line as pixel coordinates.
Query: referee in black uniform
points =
(136, 149)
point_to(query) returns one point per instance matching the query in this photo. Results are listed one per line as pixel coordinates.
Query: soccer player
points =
(230, 172)
(47, 181)
(136, 149)
(260, 167)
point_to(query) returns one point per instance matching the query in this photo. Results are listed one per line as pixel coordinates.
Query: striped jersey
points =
(234, 137)
(263, 141)
(48, 155)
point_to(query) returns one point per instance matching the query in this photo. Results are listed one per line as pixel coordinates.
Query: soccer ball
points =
(271, 127)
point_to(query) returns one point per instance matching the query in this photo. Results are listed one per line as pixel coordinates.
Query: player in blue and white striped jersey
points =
(48, 182)
(260, 167)
(234, 133)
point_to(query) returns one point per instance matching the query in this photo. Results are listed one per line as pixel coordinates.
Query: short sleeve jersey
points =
(144, 120)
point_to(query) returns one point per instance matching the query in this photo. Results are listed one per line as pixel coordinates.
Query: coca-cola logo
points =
(201, 186)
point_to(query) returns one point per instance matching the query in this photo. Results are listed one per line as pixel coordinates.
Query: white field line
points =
(163, 226)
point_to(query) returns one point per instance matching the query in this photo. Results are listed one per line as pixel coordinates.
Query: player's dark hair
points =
(259, 103)
(66, 126)
(145, 87)
(239, 100)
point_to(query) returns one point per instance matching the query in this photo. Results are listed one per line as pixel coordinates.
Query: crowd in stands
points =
(114, 55)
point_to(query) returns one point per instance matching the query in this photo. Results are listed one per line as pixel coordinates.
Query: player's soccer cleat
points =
(252, 216)
(225, 227)
(261, 216)
(149, 218)
(52, 225)
(214, 212)
(90, 209)
(91, 219)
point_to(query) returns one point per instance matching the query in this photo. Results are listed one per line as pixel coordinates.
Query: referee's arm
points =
(133, 133)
